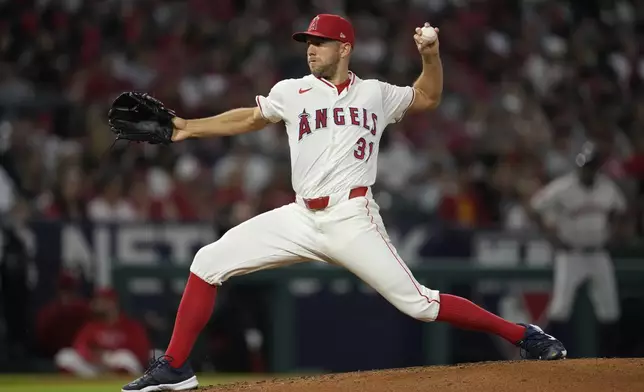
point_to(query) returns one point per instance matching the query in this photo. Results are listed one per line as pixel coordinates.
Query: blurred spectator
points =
(527, 81)
(192, 195)
(516, 217)
(231, 189)
(110, 342)
(58, 322)
(397, 163)
(68, 200)
(240, 213)
(145, 206)
(428, 187)
(278, 192)
(560, 159)
(110, 204)
(254, 170)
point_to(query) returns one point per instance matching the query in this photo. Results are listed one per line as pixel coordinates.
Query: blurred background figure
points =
(108, 342)
(59, 320)
(110, 204)
(583, 213)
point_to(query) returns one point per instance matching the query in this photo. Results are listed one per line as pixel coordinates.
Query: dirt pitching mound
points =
(570, 375)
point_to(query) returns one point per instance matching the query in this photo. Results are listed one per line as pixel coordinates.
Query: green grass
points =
(62, 383)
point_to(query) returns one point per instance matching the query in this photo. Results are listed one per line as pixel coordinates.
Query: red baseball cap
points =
(328, 26)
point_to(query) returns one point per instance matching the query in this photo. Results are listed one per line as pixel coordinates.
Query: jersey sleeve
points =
(548, 197)
(395, 101)
(273, 106)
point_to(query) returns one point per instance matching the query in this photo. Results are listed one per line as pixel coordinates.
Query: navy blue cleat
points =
(537, 344)
(160, 376)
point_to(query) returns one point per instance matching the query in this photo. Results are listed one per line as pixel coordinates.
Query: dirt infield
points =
(570, 375)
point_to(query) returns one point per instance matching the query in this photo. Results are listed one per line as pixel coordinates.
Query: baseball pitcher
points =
(334, 121)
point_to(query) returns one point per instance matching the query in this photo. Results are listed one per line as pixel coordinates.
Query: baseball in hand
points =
(428, 34)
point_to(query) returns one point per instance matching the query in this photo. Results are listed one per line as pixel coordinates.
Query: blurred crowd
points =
(526, 83)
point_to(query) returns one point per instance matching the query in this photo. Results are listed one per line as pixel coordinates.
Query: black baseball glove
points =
(141, 118)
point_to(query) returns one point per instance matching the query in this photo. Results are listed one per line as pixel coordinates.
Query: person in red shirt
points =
(111, 342)
(68, 202)
(58, 321)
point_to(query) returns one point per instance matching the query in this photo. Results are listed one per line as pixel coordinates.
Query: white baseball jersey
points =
(581, 214)
(333, 137)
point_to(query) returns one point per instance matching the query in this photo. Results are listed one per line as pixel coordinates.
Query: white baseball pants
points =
(571, 270)
(349, 233)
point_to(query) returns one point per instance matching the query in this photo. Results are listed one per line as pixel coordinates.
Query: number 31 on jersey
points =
(361, 147)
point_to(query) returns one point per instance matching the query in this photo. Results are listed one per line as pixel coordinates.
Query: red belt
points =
(320, 203)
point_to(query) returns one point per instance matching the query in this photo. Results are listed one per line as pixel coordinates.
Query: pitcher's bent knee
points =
(207, 263)
(227, 257)
(424, 306)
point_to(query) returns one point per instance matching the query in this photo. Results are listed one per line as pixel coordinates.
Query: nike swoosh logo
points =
(302, 91)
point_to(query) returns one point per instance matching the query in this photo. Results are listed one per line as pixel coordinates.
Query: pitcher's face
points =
(323, 56)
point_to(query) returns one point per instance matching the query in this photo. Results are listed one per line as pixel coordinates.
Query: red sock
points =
(195, 309)
(465, 314)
